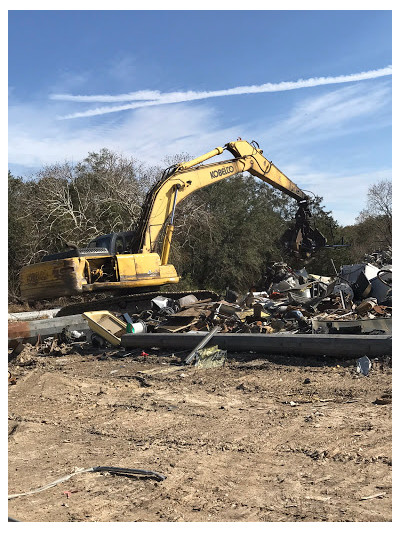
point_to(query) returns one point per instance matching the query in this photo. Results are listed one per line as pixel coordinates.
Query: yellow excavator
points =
(128, 260)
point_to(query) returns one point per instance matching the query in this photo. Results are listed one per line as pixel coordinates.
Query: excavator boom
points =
(185, 178)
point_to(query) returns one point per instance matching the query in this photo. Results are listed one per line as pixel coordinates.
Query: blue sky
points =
(150, 84)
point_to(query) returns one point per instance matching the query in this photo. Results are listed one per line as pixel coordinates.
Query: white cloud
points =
(151, 133)
(341, 112)
(155, 98)
(333, 109)
(35, 139)
(138, 95)
(344, 192)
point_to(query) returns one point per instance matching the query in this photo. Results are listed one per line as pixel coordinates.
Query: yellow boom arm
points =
(186, 178)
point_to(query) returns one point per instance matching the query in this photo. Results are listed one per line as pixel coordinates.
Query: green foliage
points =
(373, 228)
(17, 228)
(237, 233)
(375, 221)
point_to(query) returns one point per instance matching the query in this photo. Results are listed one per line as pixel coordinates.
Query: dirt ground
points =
(274, 440)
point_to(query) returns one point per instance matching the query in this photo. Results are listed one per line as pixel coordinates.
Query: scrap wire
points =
(111, 469)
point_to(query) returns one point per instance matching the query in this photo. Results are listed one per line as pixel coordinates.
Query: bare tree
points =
(379, 208)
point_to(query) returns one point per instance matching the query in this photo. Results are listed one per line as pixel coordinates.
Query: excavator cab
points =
(116, 243)
(110, 244)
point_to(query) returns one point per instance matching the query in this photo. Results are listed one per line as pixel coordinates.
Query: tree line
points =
(225, 234)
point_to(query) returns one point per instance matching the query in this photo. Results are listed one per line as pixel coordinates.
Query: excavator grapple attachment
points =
(302, 240)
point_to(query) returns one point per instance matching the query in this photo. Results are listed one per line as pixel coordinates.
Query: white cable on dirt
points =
(111, 469)
(52, 484)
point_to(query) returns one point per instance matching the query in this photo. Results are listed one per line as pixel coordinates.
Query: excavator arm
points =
(185, 178)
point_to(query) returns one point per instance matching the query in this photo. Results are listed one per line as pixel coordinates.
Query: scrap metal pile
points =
(357, 300)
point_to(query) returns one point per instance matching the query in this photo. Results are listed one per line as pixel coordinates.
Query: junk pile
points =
(22, 354)
(365, 305)
(357, 300)
(379, 258)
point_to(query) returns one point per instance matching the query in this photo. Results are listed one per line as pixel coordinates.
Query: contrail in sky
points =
(152, 98)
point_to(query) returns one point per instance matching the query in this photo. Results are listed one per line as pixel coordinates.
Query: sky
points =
(313, 88)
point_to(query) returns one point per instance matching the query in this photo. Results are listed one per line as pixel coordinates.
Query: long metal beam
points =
(273, 344)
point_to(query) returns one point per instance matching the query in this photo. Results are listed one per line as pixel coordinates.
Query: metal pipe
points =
(168, 232)
(177, 187)
(201, 158)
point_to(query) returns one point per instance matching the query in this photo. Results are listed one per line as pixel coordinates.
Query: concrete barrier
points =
(33, 315)
(29, 331)
(273, 344)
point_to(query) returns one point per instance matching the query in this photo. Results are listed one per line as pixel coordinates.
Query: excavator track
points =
(133, 303)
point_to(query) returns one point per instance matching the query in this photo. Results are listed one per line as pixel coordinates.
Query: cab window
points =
(119, 245)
